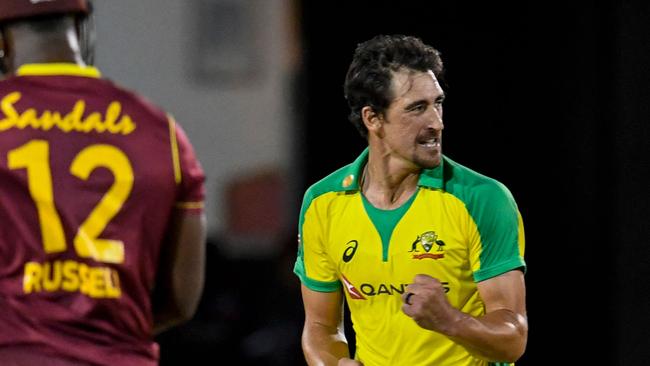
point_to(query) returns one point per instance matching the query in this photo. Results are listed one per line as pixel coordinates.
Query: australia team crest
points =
(428, 242)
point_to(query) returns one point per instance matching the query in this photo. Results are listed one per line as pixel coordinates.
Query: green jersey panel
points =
(460, 227)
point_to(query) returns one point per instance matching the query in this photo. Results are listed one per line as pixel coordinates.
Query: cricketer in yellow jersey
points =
(427, 253)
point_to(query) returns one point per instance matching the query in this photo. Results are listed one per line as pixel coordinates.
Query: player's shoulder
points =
(344, 179)
(469, 185)
(136, 99)
(337, 181)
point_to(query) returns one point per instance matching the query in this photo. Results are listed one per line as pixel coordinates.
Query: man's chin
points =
(429, 163)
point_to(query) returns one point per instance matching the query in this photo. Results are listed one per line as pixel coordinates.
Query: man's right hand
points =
(349, 362)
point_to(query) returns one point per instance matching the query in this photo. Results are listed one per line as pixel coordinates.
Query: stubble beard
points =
(428, 162)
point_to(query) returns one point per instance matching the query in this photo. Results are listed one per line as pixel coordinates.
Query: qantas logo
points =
(352, 291)
(378, 289)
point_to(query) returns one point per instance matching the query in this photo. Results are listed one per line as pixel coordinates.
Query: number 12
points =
(35, 157)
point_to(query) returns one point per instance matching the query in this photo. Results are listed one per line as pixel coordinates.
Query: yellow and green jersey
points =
(460, 227)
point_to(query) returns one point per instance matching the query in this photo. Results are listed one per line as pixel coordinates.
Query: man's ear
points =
(371, 119)
(4, 53)
(86, 35)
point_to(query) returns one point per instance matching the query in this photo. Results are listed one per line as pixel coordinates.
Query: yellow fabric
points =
(58, 69)
(174, 148)
(461, 228)
(385, 336)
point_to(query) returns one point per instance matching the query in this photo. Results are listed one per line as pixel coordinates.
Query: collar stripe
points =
(431, 178)
(54, 69)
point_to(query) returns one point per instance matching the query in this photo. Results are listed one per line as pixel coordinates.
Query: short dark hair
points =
(369, 76)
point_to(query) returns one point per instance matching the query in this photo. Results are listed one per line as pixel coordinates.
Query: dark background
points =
(551, 100)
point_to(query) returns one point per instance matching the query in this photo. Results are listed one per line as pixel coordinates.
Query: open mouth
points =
(432, 142)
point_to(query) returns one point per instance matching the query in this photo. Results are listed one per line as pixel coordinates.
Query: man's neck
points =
(386, 182)
(30, 47)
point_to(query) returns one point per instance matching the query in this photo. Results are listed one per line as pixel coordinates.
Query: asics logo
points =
(350, 250)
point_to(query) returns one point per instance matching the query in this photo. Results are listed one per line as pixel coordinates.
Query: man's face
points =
(412, 125)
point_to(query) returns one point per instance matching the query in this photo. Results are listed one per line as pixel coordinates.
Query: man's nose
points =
(435, 120)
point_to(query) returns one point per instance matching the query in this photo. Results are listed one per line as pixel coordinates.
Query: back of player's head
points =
(368, 80)
(11, 10)
(40, 11)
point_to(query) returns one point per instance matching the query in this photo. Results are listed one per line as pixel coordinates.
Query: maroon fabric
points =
(14, 9)
(70, 324)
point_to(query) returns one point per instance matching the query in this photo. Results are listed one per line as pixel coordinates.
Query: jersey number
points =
(35, 157)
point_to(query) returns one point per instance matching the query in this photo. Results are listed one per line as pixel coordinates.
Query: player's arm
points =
(181, 271)
(323, 338)
(499, 335)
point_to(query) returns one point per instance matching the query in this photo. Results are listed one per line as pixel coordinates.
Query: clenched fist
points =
(426, 303)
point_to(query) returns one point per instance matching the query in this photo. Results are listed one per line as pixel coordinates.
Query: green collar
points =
(431, 178)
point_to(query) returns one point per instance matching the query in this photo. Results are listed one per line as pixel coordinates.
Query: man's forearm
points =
(323, 345)
(497, 336)
(166, 319)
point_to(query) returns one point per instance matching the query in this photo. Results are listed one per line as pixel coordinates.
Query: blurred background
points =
(553, 100)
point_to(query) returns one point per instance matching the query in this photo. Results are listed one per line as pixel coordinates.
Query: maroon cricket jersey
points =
(89, 176)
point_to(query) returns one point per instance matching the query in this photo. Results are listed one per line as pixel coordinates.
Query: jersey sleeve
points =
(188, 173)
(497, 240)
(313, 265)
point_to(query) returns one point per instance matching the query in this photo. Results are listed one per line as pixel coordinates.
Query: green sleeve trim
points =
(487, 273)
(494, 211)
(342, 180)
(326, 185)
(331, 183)
(315, 285)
